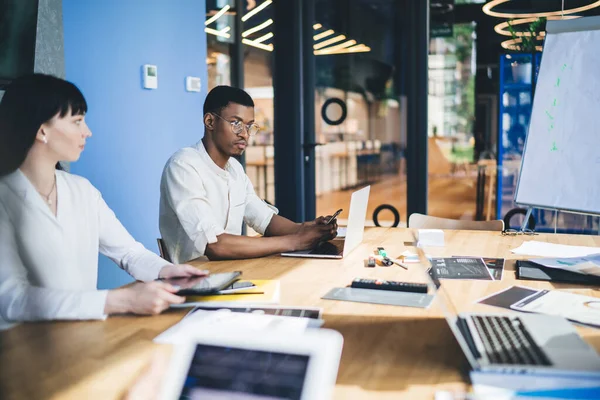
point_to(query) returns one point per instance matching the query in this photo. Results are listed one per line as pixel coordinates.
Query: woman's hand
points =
(142, 298)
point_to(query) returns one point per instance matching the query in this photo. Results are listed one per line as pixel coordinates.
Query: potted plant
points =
(526, 42)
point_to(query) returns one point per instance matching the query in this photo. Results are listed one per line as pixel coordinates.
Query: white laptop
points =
(516, 343)
(254, 366)
(339, 248)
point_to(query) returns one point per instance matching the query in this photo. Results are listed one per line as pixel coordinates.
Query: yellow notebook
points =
(264, 292)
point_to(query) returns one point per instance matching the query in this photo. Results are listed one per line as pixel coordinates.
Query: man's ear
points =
(209, 121)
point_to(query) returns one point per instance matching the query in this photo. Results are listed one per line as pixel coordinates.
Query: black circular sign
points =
(341, 104)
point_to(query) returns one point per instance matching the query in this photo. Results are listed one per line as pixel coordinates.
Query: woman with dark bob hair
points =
(53, 224)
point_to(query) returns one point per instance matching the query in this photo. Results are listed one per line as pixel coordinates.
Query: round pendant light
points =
(488, 9)
(513, 44)
(502, 28)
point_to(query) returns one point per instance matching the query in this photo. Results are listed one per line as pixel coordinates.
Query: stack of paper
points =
(543, 249)
(589, 265)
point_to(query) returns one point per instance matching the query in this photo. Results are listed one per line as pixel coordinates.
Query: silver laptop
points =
(515, 343)
(339, 248)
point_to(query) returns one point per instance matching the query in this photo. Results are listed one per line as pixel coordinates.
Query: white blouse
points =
(49, 264)
(200, 201)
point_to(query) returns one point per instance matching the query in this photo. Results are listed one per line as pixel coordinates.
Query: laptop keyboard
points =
(507, 341)
(328, 248)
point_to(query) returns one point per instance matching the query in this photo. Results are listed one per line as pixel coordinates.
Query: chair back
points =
(162, 249)
(421, 221)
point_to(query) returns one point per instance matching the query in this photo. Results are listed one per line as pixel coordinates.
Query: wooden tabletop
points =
(389, 352)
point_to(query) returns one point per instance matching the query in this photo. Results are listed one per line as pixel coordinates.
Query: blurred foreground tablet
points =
(254, 366)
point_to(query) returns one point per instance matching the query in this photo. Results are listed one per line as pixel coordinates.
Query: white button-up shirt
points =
(49, 264)
(200, 201)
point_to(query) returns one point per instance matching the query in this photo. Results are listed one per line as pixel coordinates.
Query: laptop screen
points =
(240, 374)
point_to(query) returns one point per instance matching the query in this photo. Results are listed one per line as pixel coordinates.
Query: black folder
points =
(528, 270)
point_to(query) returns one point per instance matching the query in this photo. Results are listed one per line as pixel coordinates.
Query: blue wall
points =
(135, 130)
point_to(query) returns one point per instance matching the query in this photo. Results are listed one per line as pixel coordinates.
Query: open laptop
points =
(339, 248)
(254, 366)
(515, 343)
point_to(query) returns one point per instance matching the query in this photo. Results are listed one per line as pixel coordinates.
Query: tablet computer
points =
(254, 366)
(203, 285)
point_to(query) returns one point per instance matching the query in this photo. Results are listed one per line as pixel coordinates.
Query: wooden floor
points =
(449, 197)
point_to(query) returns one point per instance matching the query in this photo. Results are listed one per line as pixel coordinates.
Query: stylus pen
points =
(397, 262)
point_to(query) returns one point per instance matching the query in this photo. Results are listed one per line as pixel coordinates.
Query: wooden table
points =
(389, 352)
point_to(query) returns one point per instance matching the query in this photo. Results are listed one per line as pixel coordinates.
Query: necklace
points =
(48, 199)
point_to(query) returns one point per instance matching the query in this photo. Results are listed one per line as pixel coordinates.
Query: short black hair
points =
(30, 101)
(220, 97)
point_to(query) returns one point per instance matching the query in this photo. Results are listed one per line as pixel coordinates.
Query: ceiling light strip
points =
(317, 26)
(256, 10)
(327, 42)
(216, 16)
(217, 33)
(257, 28)
(267, 47)
(347, 43)
(264, 37)
(321, 35)
(361, 48)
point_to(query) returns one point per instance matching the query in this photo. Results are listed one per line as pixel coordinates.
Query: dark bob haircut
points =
(220, 96)
(30, 101)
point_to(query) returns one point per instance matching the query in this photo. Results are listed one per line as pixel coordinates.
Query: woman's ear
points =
(41, 135)
(209, 121)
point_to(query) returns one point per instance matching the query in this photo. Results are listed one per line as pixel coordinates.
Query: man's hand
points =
(181, 270)
(323, 221)
(312, 233)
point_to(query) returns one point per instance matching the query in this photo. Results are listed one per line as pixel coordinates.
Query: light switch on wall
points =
(150, 76)
(192, 84)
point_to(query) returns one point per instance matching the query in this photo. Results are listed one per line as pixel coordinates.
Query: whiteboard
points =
(560, 168)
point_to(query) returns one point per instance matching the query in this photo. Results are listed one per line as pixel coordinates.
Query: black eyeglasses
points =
(515, 232)
(237, 127)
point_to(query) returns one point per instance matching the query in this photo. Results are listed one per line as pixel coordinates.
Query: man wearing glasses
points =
(205, 195)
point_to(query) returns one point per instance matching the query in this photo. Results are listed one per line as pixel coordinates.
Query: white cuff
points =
(92, 305)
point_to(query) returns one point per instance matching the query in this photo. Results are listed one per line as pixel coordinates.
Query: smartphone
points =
(334, 216)
(237, 287)
(203, 285)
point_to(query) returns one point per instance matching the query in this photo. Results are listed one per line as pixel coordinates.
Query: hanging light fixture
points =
(502, 28)
(488, 8)
(332, 45)
(513, 44)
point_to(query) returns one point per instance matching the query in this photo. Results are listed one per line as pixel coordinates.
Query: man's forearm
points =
(230, 247)
(281, 226)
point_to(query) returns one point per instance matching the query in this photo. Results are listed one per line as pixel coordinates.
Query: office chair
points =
(162, 249)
